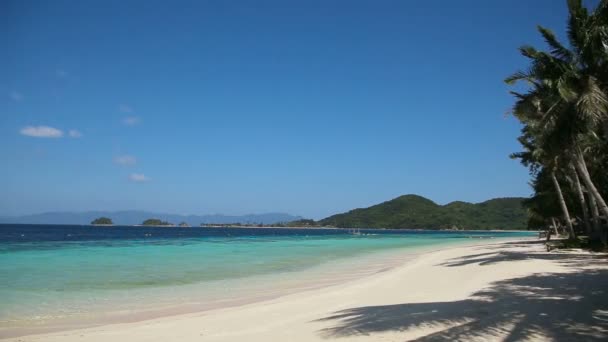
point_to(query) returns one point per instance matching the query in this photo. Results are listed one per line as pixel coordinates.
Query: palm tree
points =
(576, 183)
(538, 161)
(566, 104)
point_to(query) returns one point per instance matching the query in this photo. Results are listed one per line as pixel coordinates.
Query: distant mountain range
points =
(413, 211)
(137, 217)
(408, 211)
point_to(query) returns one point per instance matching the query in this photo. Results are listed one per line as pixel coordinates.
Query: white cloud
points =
(16, 96)
(138, 177)
(125, 108)
(125, 160)
(131, 120)
(41, 132)
(74, 133)
(60, 73)
(128, 120)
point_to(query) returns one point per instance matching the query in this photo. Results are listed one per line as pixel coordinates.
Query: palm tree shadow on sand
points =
(560, 306)
(502, 255)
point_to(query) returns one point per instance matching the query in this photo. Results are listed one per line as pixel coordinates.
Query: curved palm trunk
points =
(554, 227)
(581, 166)
(595, 214)
(581, 197)
(562, 204)
(597, 231)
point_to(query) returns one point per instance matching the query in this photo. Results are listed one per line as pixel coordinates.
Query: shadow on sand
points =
(560, 306)
(493, 257)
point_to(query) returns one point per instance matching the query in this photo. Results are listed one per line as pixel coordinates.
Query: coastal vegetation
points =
(155, 222)
(303, 223)
(417, 212)
(563, 109)
(102, 220)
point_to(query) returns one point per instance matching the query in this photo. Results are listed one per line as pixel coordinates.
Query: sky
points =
(236, 107)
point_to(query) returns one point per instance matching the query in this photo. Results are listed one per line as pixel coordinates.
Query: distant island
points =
(156, 222)
(404, 212)
(417, 212)
(102, 221)
(301, 223)
(136, 217)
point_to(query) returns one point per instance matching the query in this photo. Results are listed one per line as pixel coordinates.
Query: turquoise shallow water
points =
(54, 275)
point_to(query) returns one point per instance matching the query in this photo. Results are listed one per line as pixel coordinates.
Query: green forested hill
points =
(412, 211)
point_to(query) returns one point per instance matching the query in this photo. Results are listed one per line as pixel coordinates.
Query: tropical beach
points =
(86, 276)
(304, 170)
(489, 291)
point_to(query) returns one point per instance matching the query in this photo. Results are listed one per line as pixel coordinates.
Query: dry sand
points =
(504, 291)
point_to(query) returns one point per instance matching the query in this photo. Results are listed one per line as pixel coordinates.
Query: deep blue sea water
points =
(52, 274)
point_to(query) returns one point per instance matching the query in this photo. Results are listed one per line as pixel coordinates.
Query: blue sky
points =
(235, 107)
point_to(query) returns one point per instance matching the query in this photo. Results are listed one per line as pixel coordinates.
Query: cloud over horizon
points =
(125, 108)
(131, 120)
(74, 133)
(16, 96)
(125, 160)
(60, 73)
(41, 132)
(139, 178)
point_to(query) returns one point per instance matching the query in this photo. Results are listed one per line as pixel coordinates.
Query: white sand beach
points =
(508, 291)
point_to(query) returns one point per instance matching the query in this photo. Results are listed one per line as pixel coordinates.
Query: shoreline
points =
(484, 291)
(268, 227)
(411, 257)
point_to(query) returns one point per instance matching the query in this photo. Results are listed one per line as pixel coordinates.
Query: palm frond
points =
(601, 12)
(557, 49)
(516, 77)
(593, 102)
(565, 90)
(576, 21)
(528, 51)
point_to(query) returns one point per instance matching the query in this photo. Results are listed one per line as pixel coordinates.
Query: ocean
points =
(55, 277)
